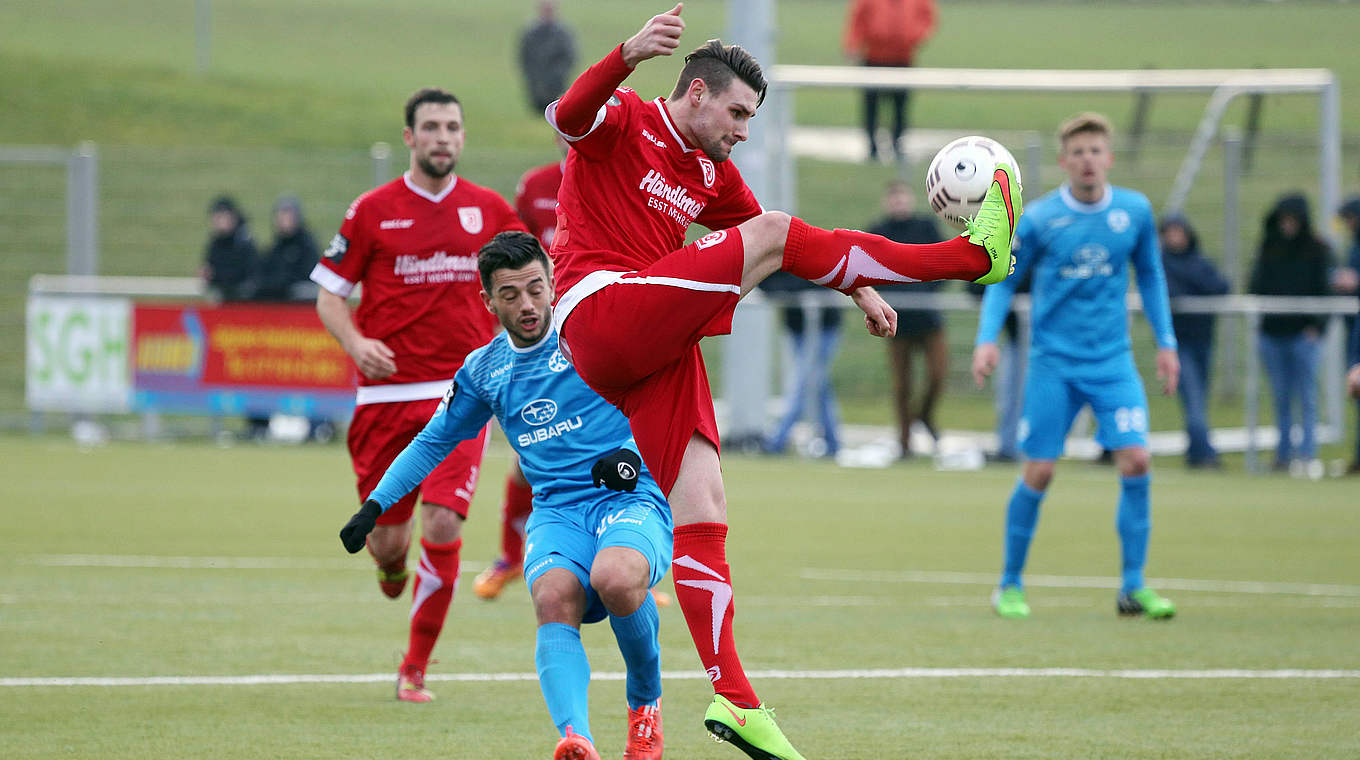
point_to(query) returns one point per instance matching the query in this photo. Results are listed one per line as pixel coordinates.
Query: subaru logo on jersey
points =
(710, 174)
(1118, 219)
(539, 412)
(471, 218)
(557, 362)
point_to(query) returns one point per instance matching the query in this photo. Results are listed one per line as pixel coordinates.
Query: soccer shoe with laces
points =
(573, 746)
(1145, 601)
(752, 730)
(491, 581)
(1009, 603)
(411, 685)
(644, 733)
(994, 225)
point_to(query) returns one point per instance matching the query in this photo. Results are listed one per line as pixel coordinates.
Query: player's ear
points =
(408, 136)
(486, 300)
(698, 88)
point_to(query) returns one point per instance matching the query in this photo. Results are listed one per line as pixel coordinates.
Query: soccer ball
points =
(960, 174)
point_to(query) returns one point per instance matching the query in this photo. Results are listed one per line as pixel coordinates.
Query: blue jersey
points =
(559, 426)
(1078, 255)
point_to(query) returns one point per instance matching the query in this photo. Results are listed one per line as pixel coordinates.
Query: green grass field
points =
(191, 561)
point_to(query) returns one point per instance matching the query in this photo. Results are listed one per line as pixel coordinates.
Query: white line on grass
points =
(822, 675)
(202, 563)
(1076, 581)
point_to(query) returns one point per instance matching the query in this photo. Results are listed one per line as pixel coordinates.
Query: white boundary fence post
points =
(1232, 255)
(82, 211)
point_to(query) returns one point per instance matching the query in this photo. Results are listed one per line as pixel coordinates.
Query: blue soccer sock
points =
(564, 677)
(1134, 522)
(1022, 514)
(637, 637)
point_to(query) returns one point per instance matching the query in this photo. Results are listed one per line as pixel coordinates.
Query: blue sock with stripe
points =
(564, 677)
(1134, 522)
(1022, 514)
(637, 637)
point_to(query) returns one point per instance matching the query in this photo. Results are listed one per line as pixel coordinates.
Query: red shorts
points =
(636, 343)
(379, 432)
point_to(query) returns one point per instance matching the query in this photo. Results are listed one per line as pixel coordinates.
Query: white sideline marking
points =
(1077, 581)
(204, 563)
(687, 675)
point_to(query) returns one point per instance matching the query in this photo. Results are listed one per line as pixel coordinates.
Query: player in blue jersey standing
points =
(1077, 244)
(590, 553)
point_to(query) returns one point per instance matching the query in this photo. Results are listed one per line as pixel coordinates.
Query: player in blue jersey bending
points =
(1077, 243)
(591, 553)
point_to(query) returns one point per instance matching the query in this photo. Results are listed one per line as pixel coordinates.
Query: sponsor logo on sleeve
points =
(336, 250)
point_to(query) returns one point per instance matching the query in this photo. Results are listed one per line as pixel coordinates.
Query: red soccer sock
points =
(703, 586)
(519, 502)
(845, 260)
(435, 581)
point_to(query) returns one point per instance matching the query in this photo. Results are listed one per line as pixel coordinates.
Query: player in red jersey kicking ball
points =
(635, 301)
(413, 245)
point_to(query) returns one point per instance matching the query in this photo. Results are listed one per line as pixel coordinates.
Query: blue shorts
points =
(1052, 401)
(570, 539)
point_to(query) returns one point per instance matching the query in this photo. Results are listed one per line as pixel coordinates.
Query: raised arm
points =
(575, 112)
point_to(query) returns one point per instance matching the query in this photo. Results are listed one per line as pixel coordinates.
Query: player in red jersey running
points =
(413, 245)
(634, 301)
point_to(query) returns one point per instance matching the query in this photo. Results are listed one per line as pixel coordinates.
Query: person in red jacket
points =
(887, 33)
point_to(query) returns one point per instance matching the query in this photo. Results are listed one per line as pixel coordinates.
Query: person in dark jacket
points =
(285, 272)
(547, 50)
(230, 259)
(918, 330)
(812, 350)
(1189, 273)
(1293, 261)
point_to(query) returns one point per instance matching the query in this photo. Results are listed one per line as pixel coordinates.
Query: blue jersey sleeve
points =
(996, 299)
(460, 416)
(1147, 264)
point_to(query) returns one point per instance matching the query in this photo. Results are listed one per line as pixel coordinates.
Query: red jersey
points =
(416, 255)
(631, 189)
(536, 200)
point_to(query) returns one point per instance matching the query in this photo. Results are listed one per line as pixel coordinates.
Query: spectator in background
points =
(918, 330)
(812, 349)
(887, 33)
(1293, 261)
(547, 50)
(230, 260)
(1346, 281)
(285, 272)
(1189, 273)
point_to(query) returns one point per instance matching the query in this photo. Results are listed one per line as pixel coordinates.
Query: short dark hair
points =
(509, 250)
(717, 64)
(427, 95)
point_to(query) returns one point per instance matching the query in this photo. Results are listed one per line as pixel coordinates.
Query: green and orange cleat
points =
(993, 226)
(1009, 603)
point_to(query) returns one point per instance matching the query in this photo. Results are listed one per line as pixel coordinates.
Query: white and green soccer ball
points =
(960, 174)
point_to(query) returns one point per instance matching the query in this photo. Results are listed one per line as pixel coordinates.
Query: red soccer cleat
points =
(644, 733)
(392, 582)
(575, 747)
(411, 685)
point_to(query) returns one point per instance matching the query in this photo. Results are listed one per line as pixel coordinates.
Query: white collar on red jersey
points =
(426, 194)
(666, 117)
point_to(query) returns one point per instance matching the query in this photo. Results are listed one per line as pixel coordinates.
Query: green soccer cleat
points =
(1145, 601)
(994, 224)
(1010, 603)
(752, 730)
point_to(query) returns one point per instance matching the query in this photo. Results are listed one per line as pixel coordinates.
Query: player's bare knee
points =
(620, 577)
(1133, 462)
(764, 235)
(1038, 475)
(439, 524)
(558, 598)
